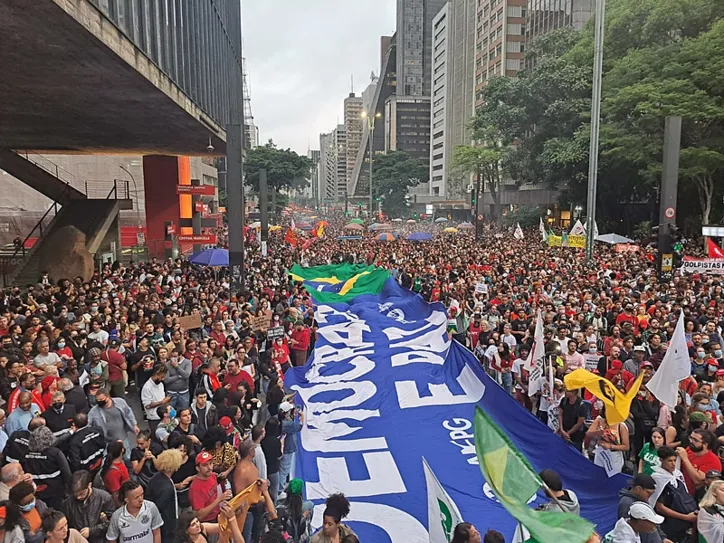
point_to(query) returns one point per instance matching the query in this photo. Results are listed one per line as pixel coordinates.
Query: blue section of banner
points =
(386, 387)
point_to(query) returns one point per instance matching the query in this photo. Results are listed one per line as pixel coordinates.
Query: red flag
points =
(291, 237)
(307, 244)
(713, 250)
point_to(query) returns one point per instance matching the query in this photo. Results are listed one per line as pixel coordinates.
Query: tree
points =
(483, 160)
(285, 169)
(393, 174)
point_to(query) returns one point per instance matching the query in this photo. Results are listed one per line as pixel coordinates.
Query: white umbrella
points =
(396, 220)
(613, 239)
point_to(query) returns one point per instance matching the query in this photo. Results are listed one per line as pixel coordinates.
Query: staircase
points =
(43, 175)
(92, 217)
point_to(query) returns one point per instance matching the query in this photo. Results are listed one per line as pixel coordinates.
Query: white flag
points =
(578, 229)
(542, 229)
(518, 234)
(536, 358)
(595, 229)
(294, 225)
(442, 513)
(675, 367)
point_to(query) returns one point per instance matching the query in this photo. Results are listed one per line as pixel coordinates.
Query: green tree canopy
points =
(285, 169)
(393, 175)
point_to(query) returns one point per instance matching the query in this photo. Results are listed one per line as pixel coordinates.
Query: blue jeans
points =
(507, 379)
(285, 467)
(273, 486)
(179, 400)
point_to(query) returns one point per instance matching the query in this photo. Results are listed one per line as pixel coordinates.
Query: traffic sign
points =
(480, 217)
(669, 212)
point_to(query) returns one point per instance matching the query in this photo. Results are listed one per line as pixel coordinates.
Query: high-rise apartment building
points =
(414, 45)
(500, 40)
(340, 141)
(353, 124)
(453, 88)
(327, 167)
(315, 175)
(547, 15)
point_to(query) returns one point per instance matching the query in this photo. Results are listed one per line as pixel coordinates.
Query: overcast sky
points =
(300, 56)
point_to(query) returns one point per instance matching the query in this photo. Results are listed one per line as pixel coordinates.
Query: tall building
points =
(453, 90)
(547, 15)
(327, 167)
(368, 95)
(403, 117)
(353, 123)
(340, 142)
(414, 45)
(500, 37)
(314, 177)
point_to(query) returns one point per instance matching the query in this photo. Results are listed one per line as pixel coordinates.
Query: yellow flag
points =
(617, 404)
(240, 503)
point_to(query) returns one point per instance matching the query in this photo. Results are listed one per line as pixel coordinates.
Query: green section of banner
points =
(513, 481)
(336, 283)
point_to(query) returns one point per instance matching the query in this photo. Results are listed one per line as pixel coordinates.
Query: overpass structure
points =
(162, 78)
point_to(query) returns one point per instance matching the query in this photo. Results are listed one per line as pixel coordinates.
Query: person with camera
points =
(291, 426)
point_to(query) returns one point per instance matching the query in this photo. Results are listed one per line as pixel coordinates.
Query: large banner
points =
(577, 242)
(385, 388)
(714, 266)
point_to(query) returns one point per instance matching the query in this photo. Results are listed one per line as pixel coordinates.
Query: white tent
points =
(613, 239)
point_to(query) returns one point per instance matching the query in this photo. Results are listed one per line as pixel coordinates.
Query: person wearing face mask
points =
(63, 350)
(114, 416)
(32, 509)
(88, 509)
(59, 416)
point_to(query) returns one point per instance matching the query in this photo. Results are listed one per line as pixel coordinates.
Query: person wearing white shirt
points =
(45, 357)
(509, 338)
(153, 396)
(98, 334)
(641, 520)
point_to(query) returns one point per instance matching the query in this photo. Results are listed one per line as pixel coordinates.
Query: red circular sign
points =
(669, 213)
(480, 217)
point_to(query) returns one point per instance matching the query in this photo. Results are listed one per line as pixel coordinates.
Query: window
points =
(499, 50)
(437, 156)
(438, 167)
(512, 64)
(512, 47)
(438, 146)
(515, 11)
(514, 29)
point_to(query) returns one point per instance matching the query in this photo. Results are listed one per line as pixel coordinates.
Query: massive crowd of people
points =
(138, 403)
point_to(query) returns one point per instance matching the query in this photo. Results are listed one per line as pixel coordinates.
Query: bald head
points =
(12, 474)
(25, 401)
(65, 384)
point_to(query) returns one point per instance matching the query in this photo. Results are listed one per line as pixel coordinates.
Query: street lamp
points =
(371, 125)
(135, 189)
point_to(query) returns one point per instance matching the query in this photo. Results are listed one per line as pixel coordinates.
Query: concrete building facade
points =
(499, 40)
(547, 15)
(327, 167)
(453, 89)
(353, 123)
(340, 143)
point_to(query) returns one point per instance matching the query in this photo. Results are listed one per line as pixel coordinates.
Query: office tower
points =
(353, 123)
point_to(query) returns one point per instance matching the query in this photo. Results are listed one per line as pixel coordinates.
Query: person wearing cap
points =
(116, 366)
(290, 428)
(232, 433)
(711, 477)
(563, 501)
(633, 364)
(205, 494)
(640, 491)
(641, 520)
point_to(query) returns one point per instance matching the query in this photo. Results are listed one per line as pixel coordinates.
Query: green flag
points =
(340, 282)
(513, 481)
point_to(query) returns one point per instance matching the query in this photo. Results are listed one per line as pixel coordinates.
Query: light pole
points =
(371, 126)
(135, 189)
(599, 21)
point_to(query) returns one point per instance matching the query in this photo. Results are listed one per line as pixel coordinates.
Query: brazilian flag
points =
(340, 282)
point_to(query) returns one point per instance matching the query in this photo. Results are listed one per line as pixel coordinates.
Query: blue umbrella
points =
(211, 257)
(419, 236)
(440, 219)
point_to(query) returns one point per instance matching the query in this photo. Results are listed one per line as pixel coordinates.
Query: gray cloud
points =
(300, 56)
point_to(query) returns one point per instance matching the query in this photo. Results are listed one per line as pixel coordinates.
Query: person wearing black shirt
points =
(143, 456)
(187, 472)
(275, 395)
(571, 418)
(272, 448)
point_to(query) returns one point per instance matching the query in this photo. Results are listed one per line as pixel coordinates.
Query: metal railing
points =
(53, 169)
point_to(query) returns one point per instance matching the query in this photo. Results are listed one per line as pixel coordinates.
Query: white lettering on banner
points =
(360, 366)
(702, 265)
(436, 319)
(461, 437)
(322, 432)
(321, 312)
(408, 394)
(399, 525)
(435, 340)
(349, 333)
(414, 357)
(384, 477)
(361, 392)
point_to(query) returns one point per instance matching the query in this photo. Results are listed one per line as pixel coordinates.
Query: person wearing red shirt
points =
(474, 330)
(627, 315)
(205, 494)
(300, 343)
(26, 383)
(116, 366)
(218, 333)
(235, 375)
(114, 471)
(698, 458)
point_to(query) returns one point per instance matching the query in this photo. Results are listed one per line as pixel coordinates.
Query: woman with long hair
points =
(10, 519)
(299, 512)
(465, 533)
(333, 529)
(271, 445)
(55, 526)
(710, 521)
(190, 529)
(114, 471)
(648, 459)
